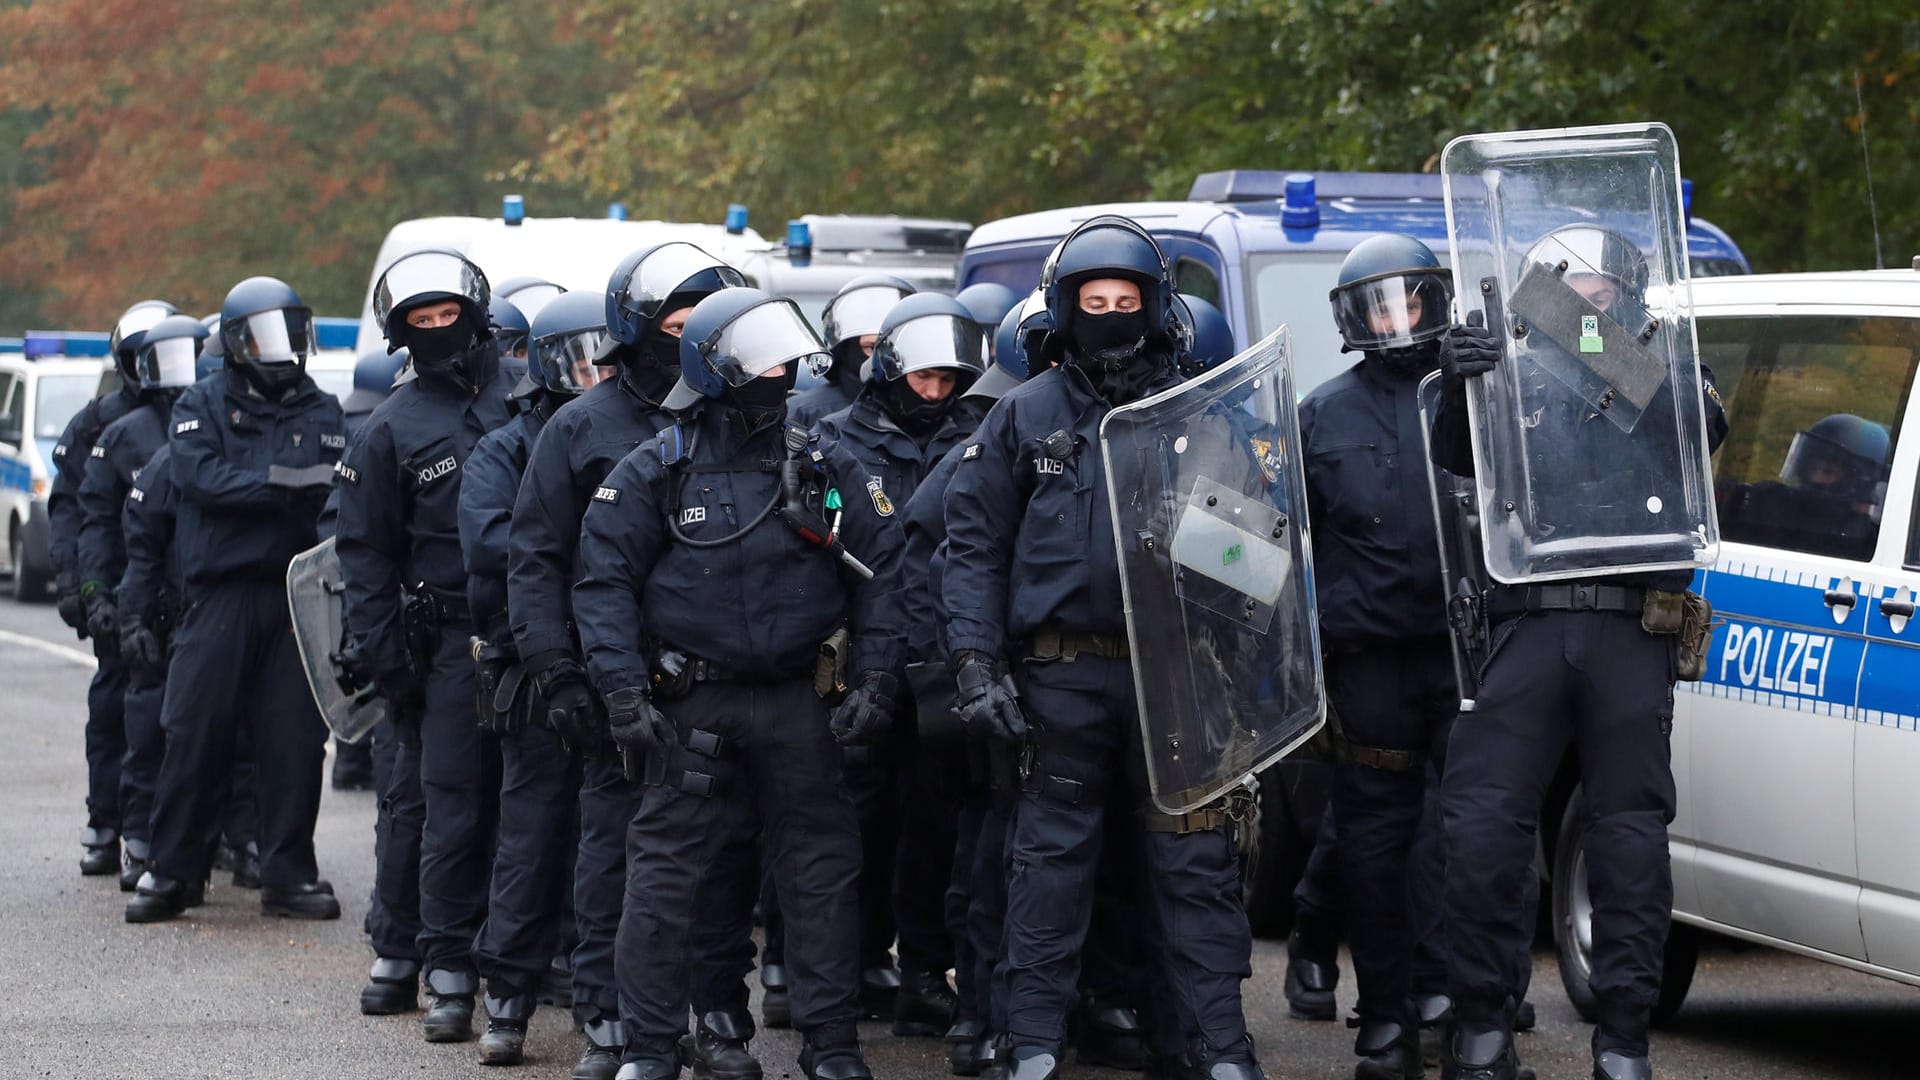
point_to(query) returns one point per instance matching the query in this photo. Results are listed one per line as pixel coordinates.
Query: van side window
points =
(1813, 409)
(1193, 277)
(13, 409)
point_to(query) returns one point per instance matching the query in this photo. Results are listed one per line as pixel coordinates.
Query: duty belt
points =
(1509, 603)
(1052, 643)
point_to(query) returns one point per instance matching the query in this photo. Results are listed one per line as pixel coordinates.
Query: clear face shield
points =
(762, 338)
(567, 360)
(428, 273)
(280, 336)
(532, 298)
(168, 364)
(933, 343)
(1819, 464)
(1393, 312)
(858, 312)
(663, 271)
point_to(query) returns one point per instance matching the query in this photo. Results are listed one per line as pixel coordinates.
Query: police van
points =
(1265, 247)
(1797, 757)
(825, 251)
(574, 253)
(45, 378)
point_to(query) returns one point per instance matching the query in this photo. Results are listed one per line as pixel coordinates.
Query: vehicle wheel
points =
(24, 588)
(1274, 867)
(1573, 925)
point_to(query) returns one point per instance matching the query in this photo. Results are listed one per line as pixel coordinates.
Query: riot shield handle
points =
(1495, 317)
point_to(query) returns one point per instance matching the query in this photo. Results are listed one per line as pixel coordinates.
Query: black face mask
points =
(1112, 339)
(436, 348)
(762, 402)
(1410, 362)
(271, 380)
(915, 414)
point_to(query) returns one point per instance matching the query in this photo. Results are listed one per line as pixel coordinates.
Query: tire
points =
(27, 586)
(1573, 926)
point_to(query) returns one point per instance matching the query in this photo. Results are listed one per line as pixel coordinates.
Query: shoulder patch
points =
(185, 426)
(606, 494)
(347, 473)
(60, 450)
(333, 441)
(972, 451)
(136, 495)
(99, 451)
(881, 504)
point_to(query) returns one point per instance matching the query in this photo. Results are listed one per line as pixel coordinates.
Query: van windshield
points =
(56, 399)
(1291, 287)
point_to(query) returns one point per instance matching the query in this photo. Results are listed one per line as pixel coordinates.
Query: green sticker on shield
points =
(1590, 334)
(1231, 555)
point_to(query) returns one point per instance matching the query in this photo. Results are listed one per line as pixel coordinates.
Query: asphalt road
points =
(226, 993)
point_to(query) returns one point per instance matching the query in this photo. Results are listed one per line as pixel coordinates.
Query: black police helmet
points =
(124, 342)
(1108, 246)
(1392, 293)
(861, 305)
(426, 277)
(567, 337)
(639, 289)
(928, 331)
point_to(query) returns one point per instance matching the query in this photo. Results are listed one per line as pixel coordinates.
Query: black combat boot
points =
(449, 1015)
(833, 1053)
(133, 863)
(925, 1004)
(652, 1063)
(963, 1042)
(157, 899)
(606, 1041)
(717, 1049)
(1236, 1062)
(1480, 1052)
(1312, 975)
(879, 991)
(995, 1055)
(246, 866)
(1614, 1065)
(313, 900)
(776, 1009)
(102, 851)
(1435, 1013)
(393, 987)
(1388, 1051)
(1107, 1033)
(505, 1040)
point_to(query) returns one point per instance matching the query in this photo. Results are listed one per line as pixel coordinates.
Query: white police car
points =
(44, 380)
(1797, 757)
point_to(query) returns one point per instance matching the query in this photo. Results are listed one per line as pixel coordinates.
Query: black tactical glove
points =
(103, 620)
(72, 606)
(636, 723)
(1470, 350)
(354, 673)
(988, 705)
(142, 648)
(868, 709)
(572, 711)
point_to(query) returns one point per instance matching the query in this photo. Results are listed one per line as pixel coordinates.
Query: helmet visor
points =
(424, 274)
(1820, 464)
(167, 364)
(1394, 311)
(858, 312)
(532, 298)
(935, 341)
(664, 270)
(762, 338)
(567, 360)
(139, 319)
(280, 336)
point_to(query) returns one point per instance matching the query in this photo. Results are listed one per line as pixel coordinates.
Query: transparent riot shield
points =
(313, 596)
(1589, 439)
(1463, 571)
(1208, 503)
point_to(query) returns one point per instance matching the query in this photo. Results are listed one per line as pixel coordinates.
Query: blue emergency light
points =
(1686, 198)
(1298, 210)
(617, 211)
(736, 218)
(513, 210)
(799, 242)
(49, 343)
(333, 332)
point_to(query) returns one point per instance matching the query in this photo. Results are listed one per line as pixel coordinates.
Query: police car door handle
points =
(1894, 606)
(1841, 596)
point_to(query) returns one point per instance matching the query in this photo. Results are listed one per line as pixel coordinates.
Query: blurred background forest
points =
(170, 147)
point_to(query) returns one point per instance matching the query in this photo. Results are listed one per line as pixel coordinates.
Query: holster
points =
(1689, 619)
(671, 672)
(419, 631)
(500, 686)
(830, 670)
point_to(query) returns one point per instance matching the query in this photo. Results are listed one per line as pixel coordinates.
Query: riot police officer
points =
(713, 556)
(1032, 577)
(647, 301)
(988, 303)
(354, 763)
(1388, 663)
(1569, 663)
(528, 294)
(163, 366)
(510, 330)
(927, 355)
(852, 323)
(106, 732)
(539, 778)
(253, 455)
(405, 608)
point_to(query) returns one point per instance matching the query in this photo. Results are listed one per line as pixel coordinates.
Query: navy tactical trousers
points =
(460, 779)
(539, 783)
